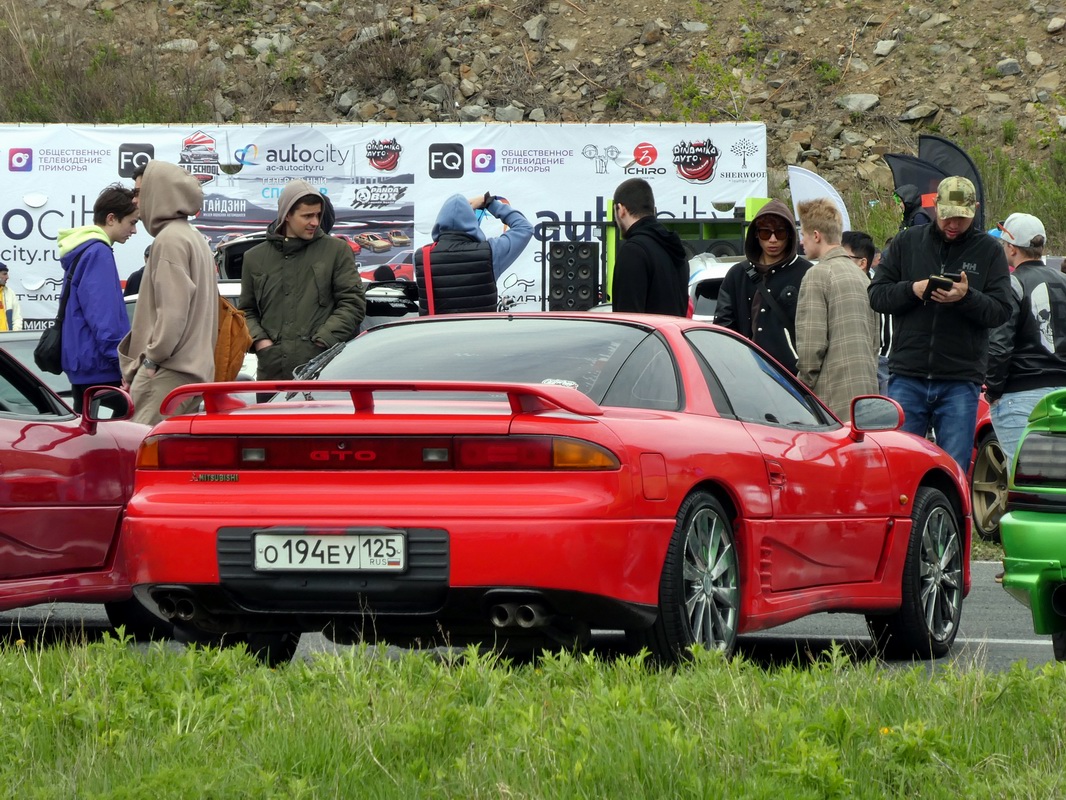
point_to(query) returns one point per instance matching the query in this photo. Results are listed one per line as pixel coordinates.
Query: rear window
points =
(591, 356)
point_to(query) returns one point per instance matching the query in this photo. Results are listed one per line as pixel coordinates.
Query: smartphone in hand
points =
(937, 282)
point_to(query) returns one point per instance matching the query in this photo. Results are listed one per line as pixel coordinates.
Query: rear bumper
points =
(1034, 544)
(603, 572)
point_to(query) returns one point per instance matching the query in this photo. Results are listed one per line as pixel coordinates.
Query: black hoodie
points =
(913, 213)
(741, 298)
(650, 271)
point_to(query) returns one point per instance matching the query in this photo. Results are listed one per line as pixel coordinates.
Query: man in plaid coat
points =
(837, 334)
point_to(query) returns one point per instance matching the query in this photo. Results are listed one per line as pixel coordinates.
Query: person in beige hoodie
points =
(172, 341)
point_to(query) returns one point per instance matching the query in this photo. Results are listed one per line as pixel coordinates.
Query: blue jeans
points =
(1010, 413)
(882, 375)
(948, 407)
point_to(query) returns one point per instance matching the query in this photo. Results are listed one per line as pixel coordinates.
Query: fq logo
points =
(133, 156)
(20, 159)
(483, 160)
(446, 160)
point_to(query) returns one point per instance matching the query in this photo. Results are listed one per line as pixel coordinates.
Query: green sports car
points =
(1034, 527)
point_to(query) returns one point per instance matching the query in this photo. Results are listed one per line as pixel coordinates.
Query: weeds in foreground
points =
(107, 719)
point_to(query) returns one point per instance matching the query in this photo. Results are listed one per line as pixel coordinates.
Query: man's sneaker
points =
(999, 578)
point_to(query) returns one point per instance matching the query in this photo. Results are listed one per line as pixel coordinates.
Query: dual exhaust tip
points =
(180, 608)
(522, 615)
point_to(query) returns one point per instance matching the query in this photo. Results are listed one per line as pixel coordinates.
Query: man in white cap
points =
(945, 286)
(1027, 353)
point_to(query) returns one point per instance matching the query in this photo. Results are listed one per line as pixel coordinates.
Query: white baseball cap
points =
(1023, 230)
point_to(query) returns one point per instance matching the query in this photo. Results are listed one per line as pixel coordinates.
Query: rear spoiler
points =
(523, 397)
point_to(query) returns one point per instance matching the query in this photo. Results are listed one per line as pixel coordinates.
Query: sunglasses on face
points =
(766, 233)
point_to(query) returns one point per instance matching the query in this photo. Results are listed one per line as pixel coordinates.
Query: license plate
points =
(349, 552)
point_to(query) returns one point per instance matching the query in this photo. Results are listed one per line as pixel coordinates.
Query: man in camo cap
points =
(940, 335)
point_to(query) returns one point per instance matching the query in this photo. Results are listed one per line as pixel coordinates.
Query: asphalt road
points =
(996, 632)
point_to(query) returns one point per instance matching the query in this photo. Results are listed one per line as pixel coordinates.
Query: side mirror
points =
(104, 403)
(873, 413)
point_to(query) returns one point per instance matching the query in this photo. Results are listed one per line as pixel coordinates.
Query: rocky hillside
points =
(837, 83)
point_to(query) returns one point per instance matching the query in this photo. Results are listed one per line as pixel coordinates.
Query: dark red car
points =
(65, 482)
(523, 478)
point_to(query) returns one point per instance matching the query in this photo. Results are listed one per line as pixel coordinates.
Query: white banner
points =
(379, 177)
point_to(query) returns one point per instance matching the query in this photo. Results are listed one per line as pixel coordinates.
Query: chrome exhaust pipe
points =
(532, 615)
(166, 607)
(184, 609)
(503, 615)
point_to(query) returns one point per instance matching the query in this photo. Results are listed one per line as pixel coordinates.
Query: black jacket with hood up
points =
(650, 271)
(913, 212)
(741, 301)
(941, 341)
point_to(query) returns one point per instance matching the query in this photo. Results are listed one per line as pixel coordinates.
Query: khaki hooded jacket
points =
(176, 321)
(298, 292)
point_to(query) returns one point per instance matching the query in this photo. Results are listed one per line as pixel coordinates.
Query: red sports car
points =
(66, 480)
(522, 478)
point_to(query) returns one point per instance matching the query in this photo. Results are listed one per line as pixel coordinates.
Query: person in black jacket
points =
(910, 200)
(940, 337)
(758, 296)
(650, 268)
(1027, 353)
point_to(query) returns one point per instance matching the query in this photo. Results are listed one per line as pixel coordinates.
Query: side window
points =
(647, 379)
(756, 389)
(21, 396)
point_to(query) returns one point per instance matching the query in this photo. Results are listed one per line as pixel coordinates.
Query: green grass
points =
(107, 720)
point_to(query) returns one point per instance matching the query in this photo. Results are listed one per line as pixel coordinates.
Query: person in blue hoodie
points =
(95, 320)
(464, 264)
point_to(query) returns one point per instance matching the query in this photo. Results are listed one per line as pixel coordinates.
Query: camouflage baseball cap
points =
(956, 197)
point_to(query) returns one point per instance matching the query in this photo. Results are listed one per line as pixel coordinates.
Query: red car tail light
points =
(530, 453)
(259, 453)
(188, 452)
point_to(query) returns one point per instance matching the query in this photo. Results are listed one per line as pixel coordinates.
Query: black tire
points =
(269, 648)
(927, 621)
(988, 487)
(699, 591)
(138, 620)
(1058, 644)
(272, 649)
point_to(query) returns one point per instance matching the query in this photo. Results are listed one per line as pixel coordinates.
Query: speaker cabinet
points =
(573, 276)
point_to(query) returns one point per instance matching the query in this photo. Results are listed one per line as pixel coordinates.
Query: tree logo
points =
(744, 148)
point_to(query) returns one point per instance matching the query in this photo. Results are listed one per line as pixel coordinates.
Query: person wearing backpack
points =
(94, 318)
(172, 342)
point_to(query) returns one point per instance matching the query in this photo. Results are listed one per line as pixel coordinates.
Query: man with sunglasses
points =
(758, 296)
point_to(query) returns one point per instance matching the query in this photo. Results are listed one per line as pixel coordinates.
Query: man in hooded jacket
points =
(650, 270)
(464, 264)
(300, 290)
(758, 296)
(910, 198)
(172, 341)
